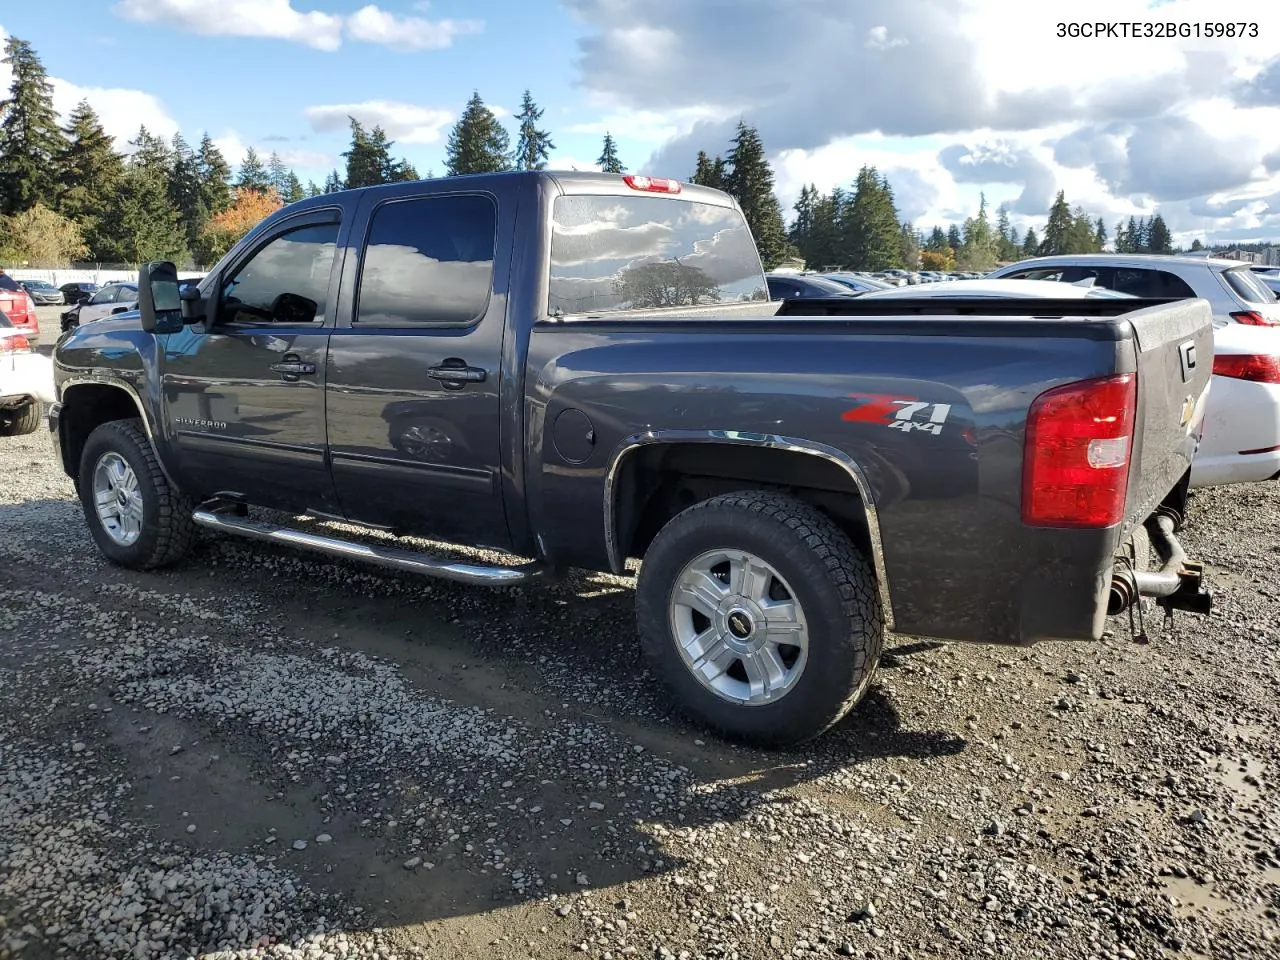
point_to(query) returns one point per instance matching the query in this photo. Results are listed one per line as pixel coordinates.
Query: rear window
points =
(1248, 286)
(628, 253)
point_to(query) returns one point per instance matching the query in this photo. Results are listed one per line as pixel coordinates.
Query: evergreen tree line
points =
(66, 193)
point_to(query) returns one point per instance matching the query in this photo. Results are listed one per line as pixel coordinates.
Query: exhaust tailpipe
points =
(1179, 581)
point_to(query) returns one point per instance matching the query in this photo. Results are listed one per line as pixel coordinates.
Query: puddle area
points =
(1244, 776)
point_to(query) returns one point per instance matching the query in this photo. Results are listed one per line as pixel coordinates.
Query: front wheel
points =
(761, 616)
(136, 518)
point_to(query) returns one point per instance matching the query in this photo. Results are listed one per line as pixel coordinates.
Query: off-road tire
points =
(167, 528)
(20, 421)
(830, 578)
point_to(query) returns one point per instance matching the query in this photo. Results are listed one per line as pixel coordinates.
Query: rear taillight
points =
(15, 344)
(651, 184)
(1076, 462)
(1260, 367)
(1252, 318)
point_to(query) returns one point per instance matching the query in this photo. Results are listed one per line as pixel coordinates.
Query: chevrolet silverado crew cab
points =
(583, 370)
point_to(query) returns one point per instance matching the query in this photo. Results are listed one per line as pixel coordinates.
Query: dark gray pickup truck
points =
(584, 369)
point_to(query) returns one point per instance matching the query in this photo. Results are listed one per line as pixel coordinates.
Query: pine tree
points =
(31, 142)
(869, 225)
(981, 243)
(824, 238)
(312, 189)
(802, 229)
(937, 242)
(277, 173)
(185, 195)
(1122, 238)
(1159, 239)
(1006, 246)
(478, 143)
(215, 176)
(368, 158)
(1100, 234)
(148, 224)
(293, 190)
(750, 182)
(954, 240)
(909, 240)
(1082, 235)
(608, 161)
(1057, 231)
(402, 172)
(1137, 234)
(253, 175)
(1031, 244)
(1196, 244)
(533, 146)
(709, 172)
(333, 183)
(89, 173)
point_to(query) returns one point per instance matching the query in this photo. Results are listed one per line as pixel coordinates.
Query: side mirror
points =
(159, 302)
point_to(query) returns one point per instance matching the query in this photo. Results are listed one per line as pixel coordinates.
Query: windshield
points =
(8, 283)
(1248, 285)
(611, 253)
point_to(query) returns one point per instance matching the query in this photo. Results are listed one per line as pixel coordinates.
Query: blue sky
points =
(950, 99)
(257, 90)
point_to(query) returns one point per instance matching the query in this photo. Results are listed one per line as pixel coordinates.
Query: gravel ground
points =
(265, 754)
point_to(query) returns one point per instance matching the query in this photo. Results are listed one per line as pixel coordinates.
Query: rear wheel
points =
(761, 616)
(17, 421)
(136, 518)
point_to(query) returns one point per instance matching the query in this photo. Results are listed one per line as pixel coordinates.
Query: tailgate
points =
(1174, 346)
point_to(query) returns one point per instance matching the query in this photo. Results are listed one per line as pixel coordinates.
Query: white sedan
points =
(1241, 441)
(26, 382)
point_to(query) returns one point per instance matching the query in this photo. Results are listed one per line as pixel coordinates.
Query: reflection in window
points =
(287, 281)
(428, 261)
(626, 253)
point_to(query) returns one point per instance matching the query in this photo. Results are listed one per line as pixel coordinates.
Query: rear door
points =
(414, 371)
(243, 393)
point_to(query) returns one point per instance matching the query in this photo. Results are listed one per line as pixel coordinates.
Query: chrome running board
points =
(391, 557)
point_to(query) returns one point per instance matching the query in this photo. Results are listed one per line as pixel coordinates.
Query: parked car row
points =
(1241, 438)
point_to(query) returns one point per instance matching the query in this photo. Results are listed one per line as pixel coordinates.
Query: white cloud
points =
(121, 111)
(278, 19)
(649, 126)
(240, 18)
(566, 162)
(1020, 112)
(371, 24)
(403, 122)
(878, 39)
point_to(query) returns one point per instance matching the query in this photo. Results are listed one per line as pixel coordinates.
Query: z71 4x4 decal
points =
(907, 414)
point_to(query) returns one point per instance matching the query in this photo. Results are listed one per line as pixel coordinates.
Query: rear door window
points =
(1248, 286)
(611, 253)
(429, 261)
(1156, 284)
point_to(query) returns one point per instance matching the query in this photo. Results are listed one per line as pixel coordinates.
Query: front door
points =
(413, 402)
(243, 392)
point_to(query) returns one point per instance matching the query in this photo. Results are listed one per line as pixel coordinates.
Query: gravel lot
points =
(265, 754)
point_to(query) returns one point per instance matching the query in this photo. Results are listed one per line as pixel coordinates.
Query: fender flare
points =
(763, 440)
(129, 390)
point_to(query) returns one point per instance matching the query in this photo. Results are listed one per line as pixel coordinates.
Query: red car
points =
(17, 305)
